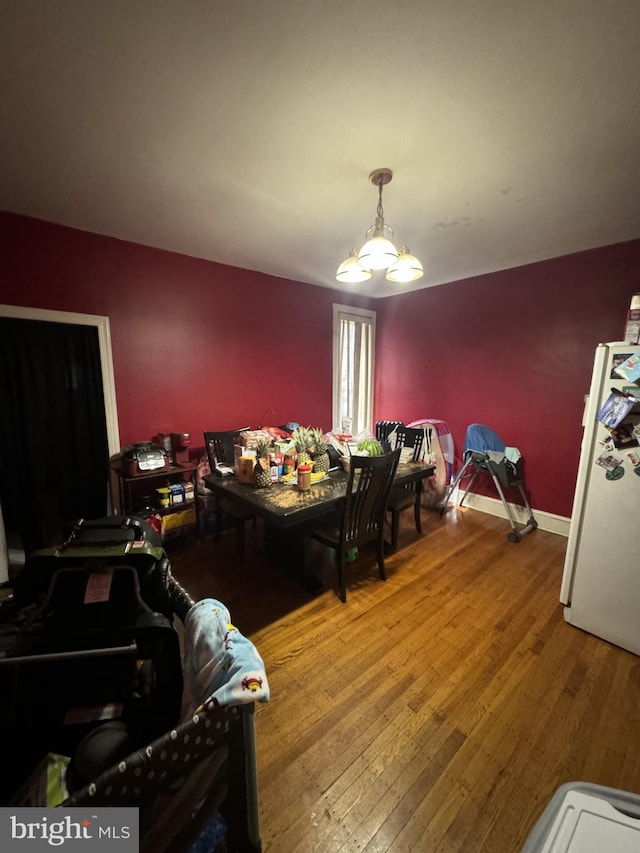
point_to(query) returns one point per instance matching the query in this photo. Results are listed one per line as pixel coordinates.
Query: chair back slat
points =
(368, 488)
(410, 437)
(385, 428)
(220, 445)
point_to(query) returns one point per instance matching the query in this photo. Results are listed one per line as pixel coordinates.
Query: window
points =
(354, 333)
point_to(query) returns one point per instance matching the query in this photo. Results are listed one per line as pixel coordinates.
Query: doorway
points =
(59, 423)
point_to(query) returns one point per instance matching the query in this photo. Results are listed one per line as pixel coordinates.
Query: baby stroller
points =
(486, 453)
(92, 672)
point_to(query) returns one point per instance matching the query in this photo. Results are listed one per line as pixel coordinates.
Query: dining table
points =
(289, 513)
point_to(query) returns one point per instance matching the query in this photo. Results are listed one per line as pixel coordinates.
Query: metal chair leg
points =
(516, 533)
(469, 484)
(454, 484)
(506, 506)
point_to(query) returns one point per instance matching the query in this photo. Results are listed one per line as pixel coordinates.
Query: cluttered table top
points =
(284, 505)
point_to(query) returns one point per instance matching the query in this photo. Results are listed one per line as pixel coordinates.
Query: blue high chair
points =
(486, 453)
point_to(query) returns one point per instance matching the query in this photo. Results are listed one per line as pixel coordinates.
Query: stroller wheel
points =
(514, 536)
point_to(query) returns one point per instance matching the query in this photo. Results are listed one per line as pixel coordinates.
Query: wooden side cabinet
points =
(138, 495)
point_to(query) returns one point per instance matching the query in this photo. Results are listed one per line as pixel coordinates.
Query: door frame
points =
(106, 356)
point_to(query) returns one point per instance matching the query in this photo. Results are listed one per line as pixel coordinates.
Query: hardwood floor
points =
(438, 711)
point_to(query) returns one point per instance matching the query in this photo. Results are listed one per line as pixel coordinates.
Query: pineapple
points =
(261, 470)
(321, 461)
(302, 439)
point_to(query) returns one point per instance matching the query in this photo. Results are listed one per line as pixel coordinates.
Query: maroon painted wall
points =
(196, 345)
(513, 350)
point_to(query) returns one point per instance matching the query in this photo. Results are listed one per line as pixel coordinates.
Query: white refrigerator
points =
(601, 578)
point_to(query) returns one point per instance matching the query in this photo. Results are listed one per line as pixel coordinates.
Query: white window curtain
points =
(354, 331)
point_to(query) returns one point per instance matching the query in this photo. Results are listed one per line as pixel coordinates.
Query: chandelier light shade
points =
(406, 268)
(351, 272)
(378, 251)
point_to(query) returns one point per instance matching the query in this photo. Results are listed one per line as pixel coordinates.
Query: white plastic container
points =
(585, 818)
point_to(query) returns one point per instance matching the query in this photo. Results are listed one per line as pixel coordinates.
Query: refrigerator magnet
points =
(623, 436)
(616, 473)
(615, 408)
(631, 391)
(608, 461)
(626, 365)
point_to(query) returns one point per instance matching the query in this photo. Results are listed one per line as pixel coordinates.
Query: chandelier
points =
(378, 251)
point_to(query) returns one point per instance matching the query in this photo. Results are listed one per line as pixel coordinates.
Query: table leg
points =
(288, 548)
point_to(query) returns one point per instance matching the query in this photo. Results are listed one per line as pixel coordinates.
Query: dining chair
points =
(368, 486)
(384, 430)
(405, 497)
(220, 449)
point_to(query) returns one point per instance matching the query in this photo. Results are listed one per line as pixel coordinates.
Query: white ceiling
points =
(244, 131)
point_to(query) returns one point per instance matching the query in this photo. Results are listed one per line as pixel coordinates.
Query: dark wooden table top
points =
(283, 505)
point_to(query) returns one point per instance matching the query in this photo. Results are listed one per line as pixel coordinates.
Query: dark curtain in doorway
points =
(53, 435)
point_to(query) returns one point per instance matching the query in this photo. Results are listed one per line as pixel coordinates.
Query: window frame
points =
(365, 318)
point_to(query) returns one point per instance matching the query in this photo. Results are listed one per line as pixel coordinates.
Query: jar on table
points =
(304, 477)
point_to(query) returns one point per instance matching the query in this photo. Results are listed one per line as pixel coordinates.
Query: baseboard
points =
(493, 506)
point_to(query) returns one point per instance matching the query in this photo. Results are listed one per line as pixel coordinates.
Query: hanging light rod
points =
(378, 251)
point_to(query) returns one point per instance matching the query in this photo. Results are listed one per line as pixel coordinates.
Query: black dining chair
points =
(220, 449)
(384, 430)
(405, 497)
(368, 486)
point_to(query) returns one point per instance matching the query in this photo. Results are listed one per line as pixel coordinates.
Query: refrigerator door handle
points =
(585, 410)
